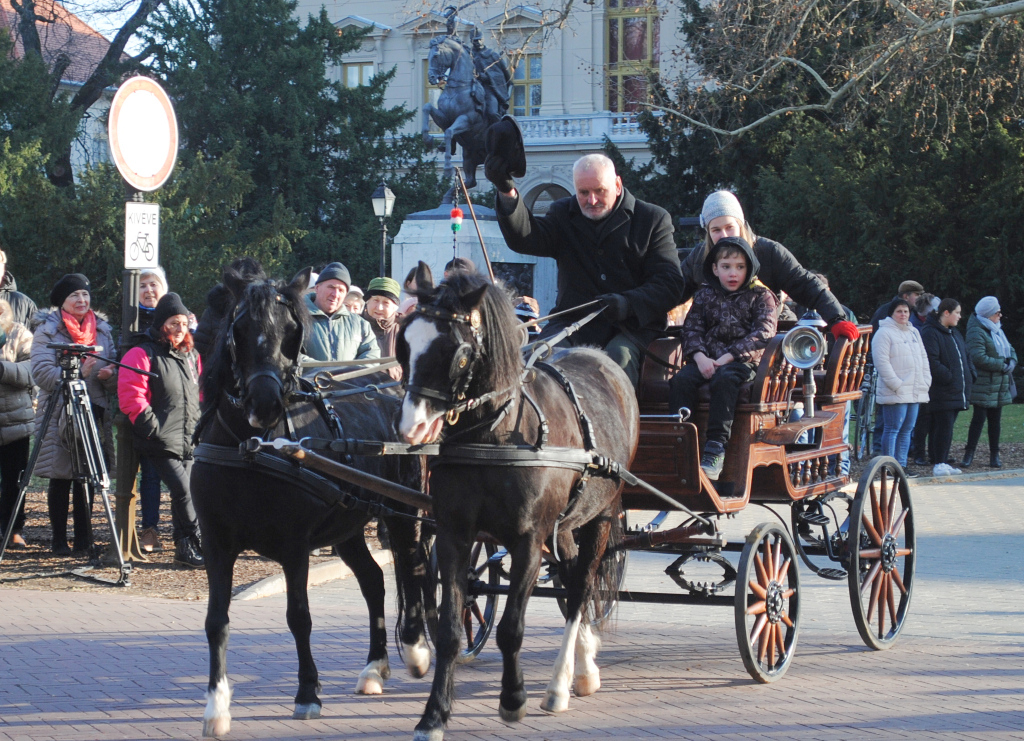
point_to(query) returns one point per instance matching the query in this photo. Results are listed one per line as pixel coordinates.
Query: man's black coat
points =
(629, 252)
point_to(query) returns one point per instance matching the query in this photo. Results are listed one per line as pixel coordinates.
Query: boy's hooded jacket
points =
(739, 322)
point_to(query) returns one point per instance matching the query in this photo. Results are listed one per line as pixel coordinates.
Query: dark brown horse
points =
(269, 505)
(461, 355)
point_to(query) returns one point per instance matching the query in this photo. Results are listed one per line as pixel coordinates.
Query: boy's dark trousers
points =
(725, 388)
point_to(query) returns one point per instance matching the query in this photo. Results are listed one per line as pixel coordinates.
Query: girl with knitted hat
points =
(381, 311)
(994, 360)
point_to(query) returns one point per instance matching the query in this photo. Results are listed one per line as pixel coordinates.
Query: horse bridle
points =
(463, 364)
(286, 385)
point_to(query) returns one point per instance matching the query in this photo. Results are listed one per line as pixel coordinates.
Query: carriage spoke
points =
(785, 618)
(871, 553)
(758, 608)
(882, 579)
(780, 641)
(758, 589)
(885, 496)
(762, 642)
(769, 564)
(777, 559)
(876, 516)
(876, 586)
(758, 629)
(902, 552)
(891, 514)
(872, 533)
(899, 581)
(788, 594)
(772, 631)
(898, 524)
(890, 597)
(875, 568)
(762, 575)
(784, 570)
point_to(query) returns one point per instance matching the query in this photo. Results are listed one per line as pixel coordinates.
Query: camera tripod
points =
(87, 462)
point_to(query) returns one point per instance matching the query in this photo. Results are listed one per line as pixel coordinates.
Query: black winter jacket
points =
(629, 252)
(780, 271)
(165, 429)
(952, 373)
(22, 306)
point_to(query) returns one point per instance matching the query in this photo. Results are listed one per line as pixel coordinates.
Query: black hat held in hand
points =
(168, 306)
(66, 286)
(506, 153)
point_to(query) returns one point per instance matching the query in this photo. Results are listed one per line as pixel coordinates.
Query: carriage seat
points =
(761, 394)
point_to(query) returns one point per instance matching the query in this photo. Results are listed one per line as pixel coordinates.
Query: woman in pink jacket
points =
(164, 412)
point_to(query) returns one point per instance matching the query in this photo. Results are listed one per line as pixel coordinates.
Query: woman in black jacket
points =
(164, 412)
(952, 375)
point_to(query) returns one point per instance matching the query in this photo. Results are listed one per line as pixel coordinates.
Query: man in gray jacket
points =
(337, 333)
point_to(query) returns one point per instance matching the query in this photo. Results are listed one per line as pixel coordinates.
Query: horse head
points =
(459, 350)
(262, 342)
(448, 59)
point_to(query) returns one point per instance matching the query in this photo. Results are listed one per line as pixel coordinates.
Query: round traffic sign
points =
(143, 133)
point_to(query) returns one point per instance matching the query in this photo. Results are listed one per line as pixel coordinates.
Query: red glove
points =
(845, 329)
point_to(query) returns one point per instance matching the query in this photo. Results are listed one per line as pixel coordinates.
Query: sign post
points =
(143, 135)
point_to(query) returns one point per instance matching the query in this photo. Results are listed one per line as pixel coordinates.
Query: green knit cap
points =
(384, 287)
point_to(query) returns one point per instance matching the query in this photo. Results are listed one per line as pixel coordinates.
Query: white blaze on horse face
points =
(417, 424)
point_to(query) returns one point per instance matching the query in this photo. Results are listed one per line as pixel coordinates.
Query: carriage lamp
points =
(383, 204)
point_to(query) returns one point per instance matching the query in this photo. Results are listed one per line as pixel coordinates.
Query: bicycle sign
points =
(141, 235)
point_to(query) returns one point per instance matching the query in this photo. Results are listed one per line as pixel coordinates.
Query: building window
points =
(633, 51)
(526, 82)
(355, 74)
(431, 94)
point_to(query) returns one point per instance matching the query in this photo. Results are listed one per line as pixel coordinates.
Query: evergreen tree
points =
(248, 77)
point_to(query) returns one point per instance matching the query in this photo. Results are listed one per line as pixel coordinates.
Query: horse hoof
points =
(306, 711)
(586, 684)
(216, 727)
(371, 684)
(417, 658)
(434, 734)
(555, 703)
(512, 716)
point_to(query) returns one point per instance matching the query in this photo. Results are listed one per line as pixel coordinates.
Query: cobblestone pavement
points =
(114, 666)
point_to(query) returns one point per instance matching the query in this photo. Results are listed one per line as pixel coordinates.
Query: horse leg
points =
(411, 578)
(219, 570)
(453, 564)
(354, 553)
(296, 575)
(526, 560)
(579, 643)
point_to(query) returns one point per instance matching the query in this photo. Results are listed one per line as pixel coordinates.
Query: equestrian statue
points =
(475, 89)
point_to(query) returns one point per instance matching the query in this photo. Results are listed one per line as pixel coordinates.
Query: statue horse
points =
(267, 504)
(460, 108)
(510, 466)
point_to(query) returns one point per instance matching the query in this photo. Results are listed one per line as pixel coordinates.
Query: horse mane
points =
(258, 296)
(500, 327)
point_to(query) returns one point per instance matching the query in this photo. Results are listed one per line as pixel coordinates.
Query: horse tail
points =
(604, 597)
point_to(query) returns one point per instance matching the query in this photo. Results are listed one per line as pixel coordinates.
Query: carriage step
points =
(833, 574)
(814, 518)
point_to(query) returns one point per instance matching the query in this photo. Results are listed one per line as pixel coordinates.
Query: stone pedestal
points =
(427, 236)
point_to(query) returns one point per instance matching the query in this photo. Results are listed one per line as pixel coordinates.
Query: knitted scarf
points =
(81, 334)
(998, 337)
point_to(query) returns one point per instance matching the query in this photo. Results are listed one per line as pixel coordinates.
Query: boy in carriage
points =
(724, 335)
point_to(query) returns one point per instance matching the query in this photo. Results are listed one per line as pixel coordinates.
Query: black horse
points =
(281, 511)
(461, 355)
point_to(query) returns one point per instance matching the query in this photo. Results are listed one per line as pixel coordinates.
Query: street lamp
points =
(383, 205)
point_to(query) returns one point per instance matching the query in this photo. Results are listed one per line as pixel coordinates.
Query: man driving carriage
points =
(609, 246)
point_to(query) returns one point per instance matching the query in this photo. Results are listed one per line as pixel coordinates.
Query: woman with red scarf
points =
(70, 320)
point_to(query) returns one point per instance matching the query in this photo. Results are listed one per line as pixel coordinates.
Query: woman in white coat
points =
(904, 378)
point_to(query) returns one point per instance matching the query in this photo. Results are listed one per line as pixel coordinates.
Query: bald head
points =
(597, 186)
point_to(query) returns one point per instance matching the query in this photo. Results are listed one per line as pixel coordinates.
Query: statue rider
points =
(494, 74)
(451, 19)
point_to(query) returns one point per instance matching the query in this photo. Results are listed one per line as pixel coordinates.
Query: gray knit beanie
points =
(987, 306)
(720, 203)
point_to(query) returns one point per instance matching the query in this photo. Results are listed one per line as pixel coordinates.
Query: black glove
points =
(506, 156)
(616, 307)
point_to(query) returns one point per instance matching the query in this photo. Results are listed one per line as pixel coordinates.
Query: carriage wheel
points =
(882, 552)
(616, 559)
(478, 612)
(767, 604)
